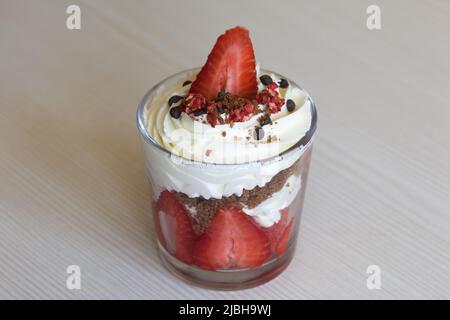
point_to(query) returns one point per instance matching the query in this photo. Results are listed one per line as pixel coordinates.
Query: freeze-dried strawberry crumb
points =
(211, 107)
(212, 119)
(272, 86)
(270, 97)
(249, 108)
(192, 102)
(225, 108)
(241, 114)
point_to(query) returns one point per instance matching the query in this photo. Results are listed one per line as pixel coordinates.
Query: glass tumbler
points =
(196, 238)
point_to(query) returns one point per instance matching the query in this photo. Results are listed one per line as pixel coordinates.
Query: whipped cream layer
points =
(214, 177)
(267, 212)
(210, 180)
(190, 138)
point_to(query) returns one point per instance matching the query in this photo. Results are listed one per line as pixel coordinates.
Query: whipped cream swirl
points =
(226, 157)
(191, 138)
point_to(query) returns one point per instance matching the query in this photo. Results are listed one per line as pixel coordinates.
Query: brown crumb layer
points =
(206, 208)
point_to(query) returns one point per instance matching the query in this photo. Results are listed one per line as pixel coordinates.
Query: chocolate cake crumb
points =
(224, 133)
(206, 208)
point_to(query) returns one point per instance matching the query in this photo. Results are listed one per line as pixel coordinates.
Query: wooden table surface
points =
(73, 189)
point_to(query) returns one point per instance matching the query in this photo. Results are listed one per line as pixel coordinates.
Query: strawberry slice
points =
(157, 223)
(275, 231)
(282, 245)
(232, 240)
(230, 67)
(175, 227)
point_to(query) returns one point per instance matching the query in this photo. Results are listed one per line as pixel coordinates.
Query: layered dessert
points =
(227, 152)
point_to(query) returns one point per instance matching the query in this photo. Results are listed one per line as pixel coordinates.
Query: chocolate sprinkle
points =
(283, 83)
(199, 112)
(290, 105)
(187, 82)
(258, 133)
(265, 79)
(221, 94)
(174, 99)
(175, 112)
(265, 120)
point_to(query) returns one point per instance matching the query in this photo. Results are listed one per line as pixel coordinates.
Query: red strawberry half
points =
(275, 231)
(232, 240)
(230, 67)
(157, 222)
(282, 245)
(174, 226)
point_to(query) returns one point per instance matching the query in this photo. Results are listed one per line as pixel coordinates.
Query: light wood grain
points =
(72, 181)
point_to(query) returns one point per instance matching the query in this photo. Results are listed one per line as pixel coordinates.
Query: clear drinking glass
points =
(163, 166)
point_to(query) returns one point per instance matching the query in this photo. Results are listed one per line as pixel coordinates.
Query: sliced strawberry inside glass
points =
(282, 245)
(275, 231)
(232, 240)
(175, 226)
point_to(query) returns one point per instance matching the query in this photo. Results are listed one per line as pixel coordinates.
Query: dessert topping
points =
(229, 108)
(226, 88)
(175, 112)
(264, 120)
(199, 112)
(283, 83)
(174, 99)
(225, 108)
(230, 67)
(193, 102)
(212, 119)
(265, 79)
(241, 114)
(271, 98)
(290, 104)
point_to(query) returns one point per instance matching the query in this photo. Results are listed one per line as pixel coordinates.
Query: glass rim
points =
(303, 143)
